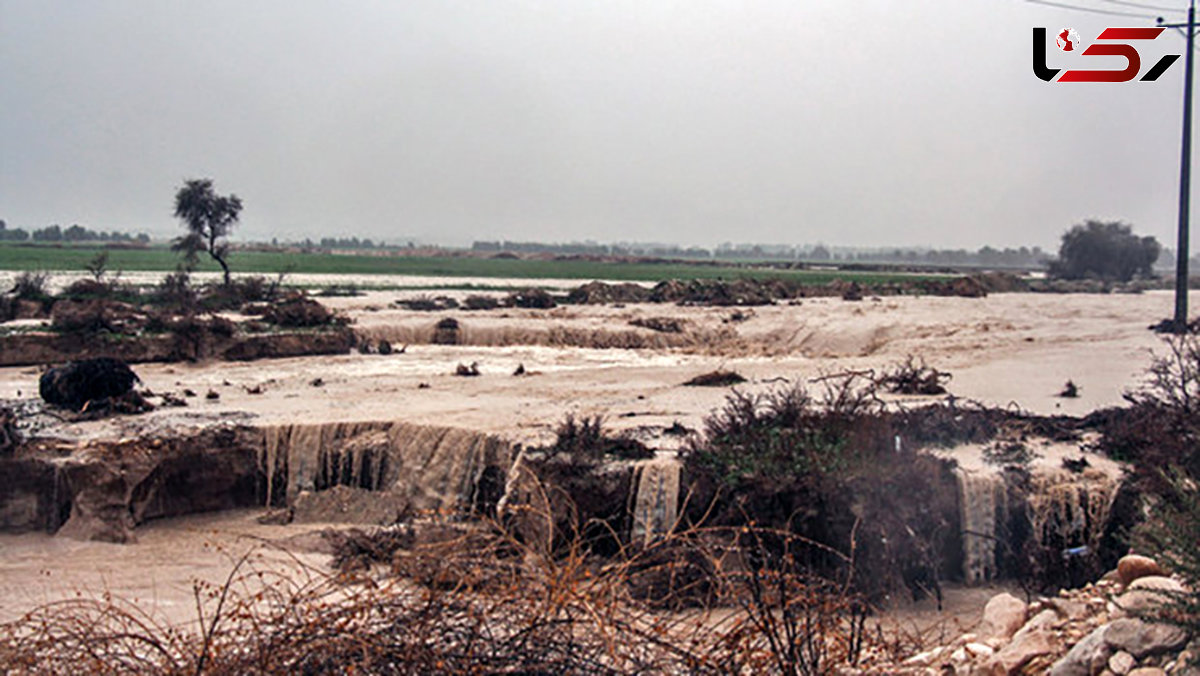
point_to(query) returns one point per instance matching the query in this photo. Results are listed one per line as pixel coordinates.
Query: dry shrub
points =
(175, 292)
(586, 438)
(356, 549)
(808, 464)
(475, 603)
(299, 311)
(478, 302)
(532, 298)
(428, 303)
(1161, 425)
(32, 285)
(914, 377)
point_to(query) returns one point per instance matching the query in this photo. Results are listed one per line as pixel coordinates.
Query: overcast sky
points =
(871, 123)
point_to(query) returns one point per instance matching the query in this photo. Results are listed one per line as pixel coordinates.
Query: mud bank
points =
(43, 347)
(102, 489)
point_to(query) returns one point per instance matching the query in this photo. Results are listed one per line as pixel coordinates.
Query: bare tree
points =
(209, 218)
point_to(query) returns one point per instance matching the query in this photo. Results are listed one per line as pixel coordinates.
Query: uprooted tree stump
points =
(79, 383)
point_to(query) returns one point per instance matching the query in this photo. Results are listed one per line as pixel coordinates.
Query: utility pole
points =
(1185, 177)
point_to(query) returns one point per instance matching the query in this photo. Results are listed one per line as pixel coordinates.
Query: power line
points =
(1144, 6)
(1093, 10)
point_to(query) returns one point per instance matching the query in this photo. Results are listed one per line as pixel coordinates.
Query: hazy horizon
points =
(694, 123)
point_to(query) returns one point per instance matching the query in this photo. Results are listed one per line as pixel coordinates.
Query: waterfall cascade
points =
(983, 504)
(1071, 508)
(436, 468)
(655, 499)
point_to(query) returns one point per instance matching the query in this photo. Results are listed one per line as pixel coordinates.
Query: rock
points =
(1147, 593)
(1003, 615)
(1067, 609)
(1148, 671)
(1133, 566)
(1025, 646)
(1121, 663)
(1144, 638)
(979, 650)
(344, 504)
(1087, 657)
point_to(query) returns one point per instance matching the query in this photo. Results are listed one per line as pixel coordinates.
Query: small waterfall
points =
(655, 499)
(436, 468)
(1071, 510)
(983, 504)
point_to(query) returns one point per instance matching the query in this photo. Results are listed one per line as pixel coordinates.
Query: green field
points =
(75, 258)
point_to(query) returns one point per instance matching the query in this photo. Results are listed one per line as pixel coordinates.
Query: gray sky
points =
(868, 123)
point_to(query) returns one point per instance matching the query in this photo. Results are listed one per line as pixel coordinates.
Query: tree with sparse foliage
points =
(209, 218)
(1109, 251)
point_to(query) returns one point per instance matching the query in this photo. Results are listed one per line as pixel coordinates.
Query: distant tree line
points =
(74, 233)
(1023, 257)
(346, 243)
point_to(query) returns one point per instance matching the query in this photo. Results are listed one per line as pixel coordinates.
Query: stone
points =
(1069, 610)
(1147, 671)
(1134, 566)
(1144, 638)
(1121, 663)
(979, 650)
(1027, 644)
(1087, 657)
(1147, 593)
(1003, 615)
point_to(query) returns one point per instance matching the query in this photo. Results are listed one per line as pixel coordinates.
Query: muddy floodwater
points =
(1005, 349)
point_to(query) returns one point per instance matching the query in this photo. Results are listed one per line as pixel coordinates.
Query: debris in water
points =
(677, 430)
(914, 377)
(472, 370)
(1076, 465)
(172, 399)
(212, 395)
(423, 386)
(1070, 390)
(520, 370)
(257, 389)
(317, 382)
(716, 378)
(189, 393)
